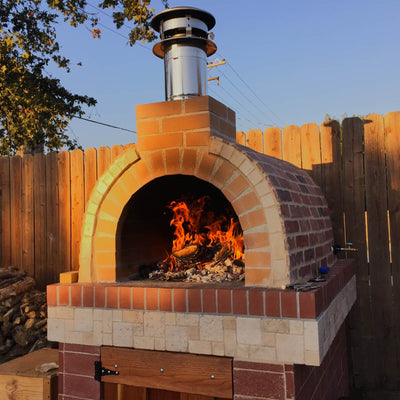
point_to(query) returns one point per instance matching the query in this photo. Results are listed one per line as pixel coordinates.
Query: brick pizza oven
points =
(257, 338)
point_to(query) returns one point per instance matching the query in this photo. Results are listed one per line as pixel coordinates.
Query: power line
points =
(252, 91)
(102, 123)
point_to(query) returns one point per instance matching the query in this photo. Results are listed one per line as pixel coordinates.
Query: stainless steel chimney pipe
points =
(184, 47)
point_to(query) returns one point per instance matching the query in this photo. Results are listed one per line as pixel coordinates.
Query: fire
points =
(197, 228)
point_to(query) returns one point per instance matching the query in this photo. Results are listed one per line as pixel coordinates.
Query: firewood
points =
(17, 288)
(30, 323)
(8, 316)
(40, 324)
(23, 336)
(187, 252)
(31, 314)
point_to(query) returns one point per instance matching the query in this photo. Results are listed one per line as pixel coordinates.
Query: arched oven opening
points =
(178, 223)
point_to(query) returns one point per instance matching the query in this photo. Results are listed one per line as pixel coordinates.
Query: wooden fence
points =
(357, 164)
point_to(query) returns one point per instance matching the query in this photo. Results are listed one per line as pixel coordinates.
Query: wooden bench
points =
(20, 379)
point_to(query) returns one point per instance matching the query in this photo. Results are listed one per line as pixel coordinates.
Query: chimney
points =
(184, 47)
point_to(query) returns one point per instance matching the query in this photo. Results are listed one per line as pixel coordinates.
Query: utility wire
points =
(254, 93)
(102, 123)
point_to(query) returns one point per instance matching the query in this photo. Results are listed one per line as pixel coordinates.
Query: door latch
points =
(100, 371)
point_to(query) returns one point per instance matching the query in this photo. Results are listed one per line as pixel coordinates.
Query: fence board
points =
(311, 150)
(16, 217)
(52, 268)
(103, 160)
(241, 138)
(90, 171)
(5, 211)
(354, 209)
(116, 151)
(392, 131)
(39, 197)
(331, 175)
(64, 214)
(273, 142)
(254, 140)
(378, 244)
(77, 205)
(292, 144)
(28, 222)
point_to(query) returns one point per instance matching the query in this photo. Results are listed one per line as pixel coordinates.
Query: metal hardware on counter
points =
(100, 371)
(336, 248)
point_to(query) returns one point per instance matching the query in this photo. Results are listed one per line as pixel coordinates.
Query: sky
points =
(288, 62)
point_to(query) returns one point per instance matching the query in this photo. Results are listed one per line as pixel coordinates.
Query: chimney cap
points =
(178, 12)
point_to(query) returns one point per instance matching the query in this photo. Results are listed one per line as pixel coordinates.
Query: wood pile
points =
(23, 314)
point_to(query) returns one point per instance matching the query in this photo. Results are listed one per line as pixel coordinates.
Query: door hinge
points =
(100, 371)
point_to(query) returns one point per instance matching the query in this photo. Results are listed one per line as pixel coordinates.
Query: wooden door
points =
(153, 375)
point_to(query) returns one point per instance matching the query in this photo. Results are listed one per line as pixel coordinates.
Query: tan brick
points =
(160, 109)
(258, 277)
(147, 127)
(160, 141)
(186, 122)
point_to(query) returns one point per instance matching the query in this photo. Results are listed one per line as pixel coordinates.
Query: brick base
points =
(251, 380)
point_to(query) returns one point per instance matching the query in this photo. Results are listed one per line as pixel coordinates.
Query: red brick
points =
(172, 161)
(125, 297)
(157, 163)
(258, 259)
(256, 240)
(252, 219)
(138, 298)
(206, 166)
(87, 297)
(151, 299)
(239, 301)
(160, 109)
(209, 301)
(237, 186)
(289, 304)
(194, 299)
(180, 300)
(142, 173)
(186, 122)
(85, 387)
(112, 297)
(307, 305)
(81, 348)
(52, 295)
(197, 104)
(99, 296)
(246, 202)
(160, 141)
(189, 161)
(197, 138)
(218, 108)
(258, 366)
(224, 301)
(165, 297)
(223, 173)
(76, 296)
(63, 295)
(256, 302)
(79, 364)
(259, 384)
(289, 378)
(272, 306)
(148, 127)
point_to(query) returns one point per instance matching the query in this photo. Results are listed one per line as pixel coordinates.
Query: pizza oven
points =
(187, 197)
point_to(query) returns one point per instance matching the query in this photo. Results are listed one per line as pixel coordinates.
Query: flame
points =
(195, 226)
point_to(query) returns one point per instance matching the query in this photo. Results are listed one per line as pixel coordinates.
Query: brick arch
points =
(225, 166)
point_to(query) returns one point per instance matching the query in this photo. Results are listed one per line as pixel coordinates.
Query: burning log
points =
(23, 314)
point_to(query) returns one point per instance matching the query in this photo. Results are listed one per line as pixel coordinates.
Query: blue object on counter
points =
(324, 270)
